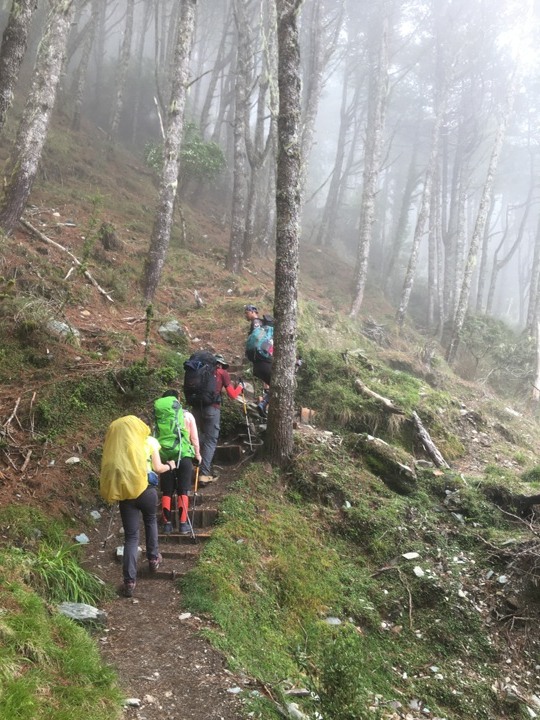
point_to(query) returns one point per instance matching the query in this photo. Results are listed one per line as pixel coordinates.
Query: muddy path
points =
(153, 643)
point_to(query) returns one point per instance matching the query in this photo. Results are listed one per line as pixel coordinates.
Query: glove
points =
(196, 462)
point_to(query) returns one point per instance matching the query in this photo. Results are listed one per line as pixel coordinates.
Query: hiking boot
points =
(129, 587)
(167, 528)
(154, 563)
(184, 528)
(205, 479)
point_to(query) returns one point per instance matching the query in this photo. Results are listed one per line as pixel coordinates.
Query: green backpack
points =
(170, 429)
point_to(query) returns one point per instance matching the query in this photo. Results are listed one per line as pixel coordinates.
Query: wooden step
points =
(228, 453)
(176, 537)
(164, 574)
(178, 552)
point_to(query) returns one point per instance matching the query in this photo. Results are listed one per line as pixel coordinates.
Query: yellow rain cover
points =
(123, 465)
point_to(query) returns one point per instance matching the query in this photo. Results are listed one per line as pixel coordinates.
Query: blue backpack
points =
(260, 342)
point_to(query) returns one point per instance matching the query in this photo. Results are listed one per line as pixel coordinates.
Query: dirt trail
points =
(160, 659)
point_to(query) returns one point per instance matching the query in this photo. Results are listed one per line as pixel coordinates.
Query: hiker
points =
(205, 378)
(130, 454)
(259, 350)
(252, 314)
(177, 435)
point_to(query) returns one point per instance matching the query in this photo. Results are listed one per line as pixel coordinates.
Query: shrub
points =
(199, 159)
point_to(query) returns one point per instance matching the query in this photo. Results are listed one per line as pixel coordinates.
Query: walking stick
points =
(247, 421)
(109, 527)
(194, 503)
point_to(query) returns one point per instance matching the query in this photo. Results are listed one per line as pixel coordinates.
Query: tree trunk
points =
(422, 216)
(347, 111)
(532, 308)
(223, 59)
(259, 146)
(536, 386)
(161, 231)
(373, 148)
(101, 38)
(14, 43)
(25, 157)
(499, 264)
(139, 53)
(484, 259)
(279, 442)
(125, 57)
(434, 247)
(238, 213)
(82, 70)
(461, 310)
(401, 224)
(266, 220)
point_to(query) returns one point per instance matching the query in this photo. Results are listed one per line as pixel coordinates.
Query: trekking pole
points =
(194, 503)
(109, 527)
(244, 403)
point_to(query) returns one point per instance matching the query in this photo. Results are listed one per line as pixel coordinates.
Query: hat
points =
(250, 308)
(221, 360)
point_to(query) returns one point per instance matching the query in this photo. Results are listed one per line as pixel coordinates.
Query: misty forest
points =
(416, 132)
(365, 171)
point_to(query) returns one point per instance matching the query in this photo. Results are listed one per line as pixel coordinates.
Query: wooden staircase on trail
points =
(180, 552)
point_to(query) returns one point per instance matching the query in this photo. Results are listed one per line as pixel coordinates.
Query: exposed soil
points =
(161, 659)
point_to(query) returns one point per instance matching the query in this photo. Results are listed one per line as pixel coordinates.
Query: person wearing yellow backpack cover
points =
(129, 456)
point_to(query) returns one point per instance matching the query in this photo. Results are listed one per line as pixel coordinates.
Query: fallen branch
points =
(405, 584)
(26, 461)
(13, 414)
(428, 443)
(388, 404)
(32, 414)
(48, 241)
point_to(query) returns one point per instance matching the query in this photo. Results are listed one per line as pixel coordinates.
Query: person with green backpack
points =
(176, 432)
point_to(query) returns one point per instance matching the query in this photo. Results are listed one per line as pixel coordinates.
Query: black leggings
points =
(262, 369)
(179, 479)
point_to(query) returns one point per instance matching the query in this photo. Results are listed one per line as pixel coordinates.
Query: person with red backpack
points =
(205, 378)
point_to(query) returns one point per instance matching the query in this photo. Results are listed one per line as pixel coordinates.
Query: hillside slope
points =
(326, 538)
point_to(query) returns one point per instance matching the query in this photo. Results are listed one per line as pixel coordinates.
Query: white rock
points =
(295, 712)
(418, 571)
(184, 616)
(234, 690)
(410, 555)
(73, 460)
(132, 702)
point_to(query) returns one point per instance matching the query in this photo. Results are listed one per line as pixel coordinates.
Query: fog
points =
(419, 132)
